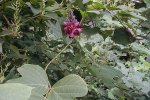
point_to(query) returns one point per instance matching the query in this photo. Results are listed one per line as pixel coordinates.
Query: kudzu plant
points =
(53, 43)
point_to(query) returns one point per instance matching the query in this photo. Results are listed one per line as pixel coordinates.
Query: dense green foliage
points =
(112, 54)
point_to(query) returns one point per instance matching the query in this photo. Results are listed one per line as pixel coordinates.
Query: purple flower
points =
(72, 28)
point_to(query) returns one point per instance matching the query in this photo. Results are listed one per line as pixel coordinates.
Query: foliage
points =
(111, 54)
(35, 86)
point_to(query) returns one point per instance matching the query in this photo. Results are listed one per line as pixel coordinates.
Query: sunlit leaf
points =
(33, 75)
(67, 88)
(15, 91)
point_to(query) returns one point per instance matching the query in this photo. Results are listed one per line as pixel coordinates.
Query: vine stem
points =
(58, 54)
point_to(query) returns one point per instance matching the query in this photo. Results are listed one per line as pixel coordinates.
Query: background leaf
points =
(106, 73)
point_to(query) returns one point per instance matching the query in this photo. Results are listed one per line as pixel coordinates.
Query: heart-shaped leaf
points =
(68, 88)
(33, 75)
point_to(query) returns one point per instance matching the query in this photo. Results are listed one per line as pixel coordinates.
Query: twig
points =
(31, 18)
(6, 20)
(133, 32)
(58, 54)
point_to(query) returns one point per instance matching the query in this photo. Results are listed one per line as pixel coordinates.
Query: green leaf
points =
(147, 2)
(36, 96)
(15, 91)
(148, 59)
(67, 88)
(34, 11)
(54, 7)
(88, 31)
(122, 36)
(110, 21)
(131, 15)
(54, 30)
(140, 48)
(85, 1)
(111, 96)
(106, 74)
(33, 75)
(95, 5)
(1, 50)
(14, 49)
(94, 11)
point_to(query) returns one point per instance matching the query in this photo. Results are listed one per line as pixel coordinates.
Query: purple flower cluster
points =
(72, 27)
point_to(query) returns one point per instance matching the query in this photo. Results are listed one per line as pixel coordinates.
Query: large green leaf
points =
(15, 91)
(67, 88)
(33, 75)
